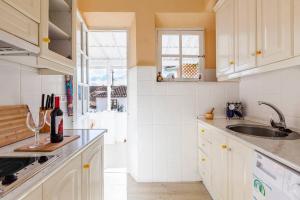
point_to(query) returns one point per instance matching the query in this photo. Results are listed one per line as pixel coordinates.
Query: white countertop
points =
(284, 151)
(67, 152)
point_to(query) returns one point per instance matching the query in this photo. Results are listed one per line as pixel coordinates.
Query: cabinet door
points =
(36, 194)
(225, 38)
(219, 166)
(297, 27)
(245, 37)
(66, 183)
(92, 174)
(30, 8)
(240, 162)
(273, 31)
(14, 22)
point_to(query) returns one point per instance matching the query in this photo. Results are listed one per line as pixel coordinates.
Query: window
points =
(181, 54)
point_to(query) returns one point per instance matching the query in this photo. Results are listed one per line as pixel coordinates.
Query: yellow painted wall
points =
(146, 12)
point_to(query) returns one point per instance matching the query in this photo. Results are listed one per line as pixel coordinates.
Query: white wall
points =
(23, 85)
(281, 88)
(165, 130)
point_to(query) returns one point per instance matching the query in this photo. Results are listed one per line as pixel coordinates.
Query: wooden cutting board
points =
(13, 124)
(46, 146)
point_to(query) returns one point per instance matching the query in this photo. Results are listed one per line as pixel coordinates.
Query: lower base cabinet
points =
(36, 194)
(66, 183)
(80, 179)
(226, 169)
(92, 176)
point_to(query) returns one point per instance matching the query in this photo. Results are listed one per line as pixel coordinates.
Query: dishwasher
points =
(273, 180)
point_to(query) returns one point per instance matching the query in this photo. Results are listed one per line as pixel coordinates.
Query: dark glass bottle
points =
(57, 125)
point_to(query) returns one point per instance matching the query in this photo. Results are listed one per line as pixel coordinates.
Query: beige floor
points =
(119, 186)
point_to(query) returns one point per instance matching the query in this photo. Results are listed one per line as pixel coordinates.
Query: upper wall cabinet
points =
(225, 38)
(297, 27)
(273, 31)
(30, 8)
(58, 31)
(16, 23)
(263, 32)
(245, 37)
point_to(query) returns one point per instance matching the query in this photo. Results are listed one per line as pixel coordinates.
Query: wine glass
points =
(35, 126)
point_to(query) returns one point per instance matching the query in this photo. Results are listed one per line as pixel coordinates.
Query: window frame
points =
(180, 32)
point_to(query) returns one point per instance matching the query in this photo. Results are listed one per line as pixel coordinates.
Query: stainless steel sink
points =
(264, 131)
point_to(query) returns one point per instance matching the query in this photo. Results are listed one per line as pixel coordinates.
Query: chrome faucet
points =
(281, 123)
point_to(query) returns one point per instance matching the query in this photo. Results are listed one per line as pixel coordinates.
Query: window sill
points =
(180, 80)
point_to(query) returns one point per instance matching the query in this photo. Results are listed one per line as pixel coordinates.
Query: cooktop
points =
(16, 170)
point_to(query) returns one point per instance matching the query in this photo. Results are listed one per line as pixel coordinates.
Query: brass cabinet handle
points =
(203, 159)
(258, 52)
(86, 166)
(231, 62)
(224, 146)
(46, 40)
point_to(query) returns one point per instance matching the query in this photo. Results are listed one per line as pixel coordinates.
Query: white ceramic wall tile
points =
(278, 87)
(145, 149)
(168, 110)
(9, 83)
(21, 84)
(31, 89)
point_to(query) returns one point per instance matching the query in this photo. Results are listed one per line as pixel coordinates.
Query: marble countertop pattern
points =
(67, 152)
(284, 151)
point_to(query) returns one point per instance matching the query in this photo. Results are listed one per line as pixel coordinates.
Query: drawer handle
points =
(202, 131)
(203, 159)
(224, 146)
(231, 62)
(46, 40)
(86, 166)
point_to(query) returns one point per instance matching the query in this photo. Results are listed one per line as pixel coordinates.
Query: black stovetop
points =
(11, 165)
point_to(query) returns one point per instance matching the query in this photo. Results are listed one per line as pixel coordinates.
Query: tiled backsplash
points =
(165, 118)
(23, 85)
(278, 87)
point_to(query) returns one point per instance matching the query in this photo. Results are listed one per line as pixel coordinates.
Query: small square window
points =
(181, 54)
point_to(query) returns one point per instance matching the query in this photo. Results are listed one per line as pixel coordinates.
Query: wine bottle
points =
(57, 125)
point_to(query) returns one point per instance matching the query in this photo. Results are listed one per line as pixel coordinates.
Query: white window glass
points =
(170, 67)
(98, 77)
(170, 44)
(119, 77)
(190, 44)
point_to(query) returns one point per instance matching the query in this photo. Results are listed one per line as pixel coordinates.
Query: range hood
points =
(12, 45)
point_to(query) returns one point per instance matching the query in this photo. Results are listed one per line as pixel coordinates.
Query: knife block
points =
(46, 127)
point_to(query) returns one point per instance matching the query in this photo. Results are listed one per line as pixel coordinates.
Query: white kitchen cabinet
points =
(58, 32)
(204, 168)
(30, 8)
(225, 38)
(36, 194)
(240, 163)
(92, 174)
(245, 34)
(297, 27)
(66, 183)
(219, 161)
(15, 23)
(274, 31)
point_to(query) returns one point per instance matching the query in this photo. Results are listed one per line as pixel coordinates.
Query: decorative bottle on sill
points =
(159, 77)
(57, 125)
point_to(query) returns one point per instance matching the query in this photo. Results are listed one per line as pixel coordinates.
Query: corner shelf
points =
(59, 5)
(56, 33)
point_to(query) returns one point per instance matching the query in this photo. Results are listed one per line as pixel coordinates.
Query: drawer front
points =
(204, 168)
(204, 132)
(204, 145)
(14, 22)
